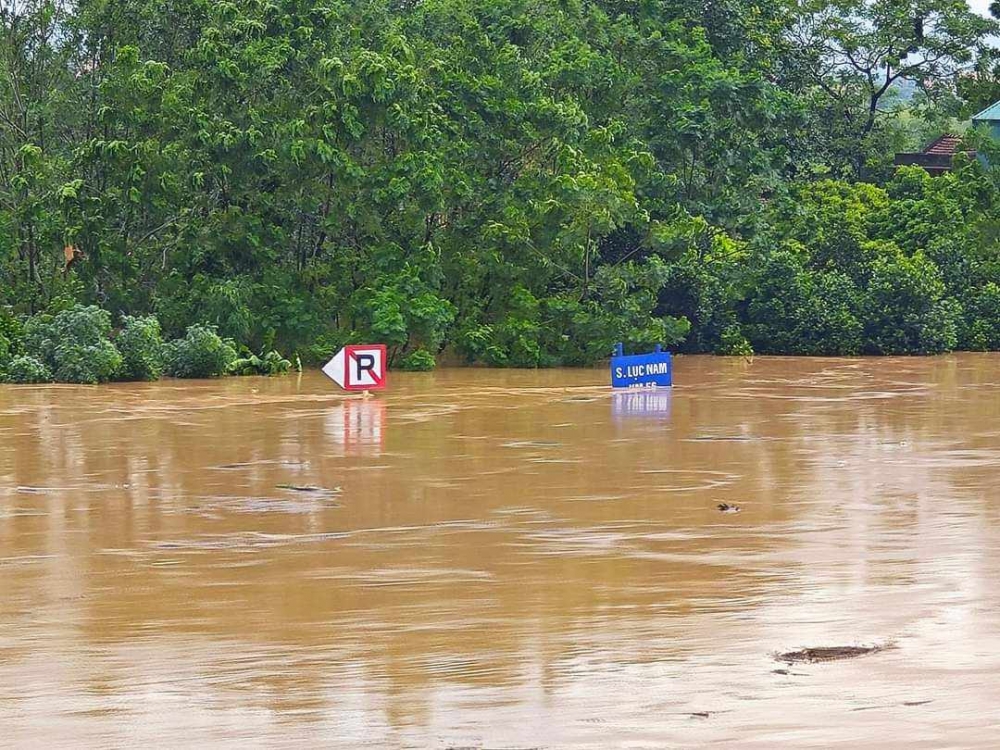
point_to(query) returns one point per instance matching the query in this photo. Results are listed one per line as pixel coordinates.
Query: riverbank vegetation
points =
(78, 345)
(512, 182)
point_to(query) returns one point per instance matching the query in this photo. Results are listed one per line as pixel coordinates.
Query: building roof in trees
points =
(945, 144)
(936, 156)
(990, 114)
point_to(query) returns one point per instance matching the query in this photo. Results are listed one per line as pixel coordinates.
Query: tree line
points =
(512, 182)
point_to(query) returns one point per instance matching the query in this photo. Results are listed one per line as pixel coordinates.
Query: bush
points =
(793, 310)
(74, 345)
(11, 331)
(23, 369)
(734, 344)
(907, 312)
(833, 326)
(419, 360)
(271, 363)
(275, 364)
(141, 345)
(202, 353)
(403, 311)
(97, 363)
(513, 342)
(705, 295)
(980, 329)
(323, 347)
(4, 356)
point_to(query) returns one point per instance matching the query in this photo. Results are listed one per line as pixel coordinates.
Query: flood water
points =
(506, 559)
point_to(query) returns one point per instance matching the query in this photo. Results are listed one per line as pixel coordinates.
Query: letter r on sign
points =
(365, 364)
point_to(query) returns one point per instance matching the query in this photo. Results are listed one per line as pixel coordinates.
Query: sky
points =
(980, 6)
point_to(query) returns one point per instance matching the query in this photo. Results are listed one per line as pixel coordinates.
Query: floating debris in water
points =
(531, 444)
(263, 462)
(727, 508)
(830, 653)
(723, 438)
(308, 488)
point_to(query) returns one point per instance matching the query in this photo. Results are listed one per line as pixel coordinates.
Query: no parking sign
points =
(358, 367)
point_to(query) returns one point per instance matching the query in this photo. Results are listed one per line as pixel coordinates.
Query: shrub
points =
(980, 329)
(513, 342)
(245, 365)
(402, 311)
(907, 312)
(4, 356)
(419, 360)
(141, 345)
(833, 326)
(323, 347)
(734, 344)
(703, 294)
(11, 331)
(202, 353)
(275, 364)
(793, 310)
(271, 363)
(97, 363)
(23, 369)
(777, 303)
(74, 344)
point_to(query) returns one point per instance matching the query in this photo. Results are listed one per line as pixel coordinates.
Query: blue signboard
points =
(641, 370)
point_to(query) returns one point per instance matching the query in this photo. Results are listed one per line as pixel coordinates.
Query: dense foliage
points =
(78, 345)
(74, 345)
(271, 363)
(202, 353)
(25, 370)
(516, 182)
(141, 345)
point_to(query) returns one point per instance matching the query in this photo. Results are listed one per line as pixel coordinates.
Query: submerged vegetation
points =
(517, 182)
(78, 345)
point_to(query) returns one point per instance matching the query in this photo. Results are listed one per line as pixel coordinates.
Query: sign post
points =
(641, 370)
(358, 367)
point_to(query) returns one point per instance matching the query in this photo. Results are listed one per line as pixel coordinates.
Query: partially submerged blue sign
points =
(640, 370)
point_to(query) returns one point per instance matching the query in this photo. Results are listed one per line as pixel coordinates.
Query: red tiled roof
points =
(946, 144)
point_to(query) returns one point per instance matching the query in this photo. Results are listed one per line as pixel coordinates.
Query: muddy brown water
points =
(506, 560)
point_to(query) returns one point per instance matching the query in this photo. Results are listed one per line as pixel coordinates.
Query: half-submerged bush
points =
(74, 345)
(202, 353)
(24, 369)
(141, 345)
(271, 363)
(419, 360)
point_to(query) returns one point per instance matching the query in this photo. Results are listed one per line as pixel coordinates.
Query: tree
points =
(854, 51)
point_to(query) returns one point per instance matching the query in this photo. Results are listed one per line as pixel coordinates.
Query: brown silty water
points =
(506, 559)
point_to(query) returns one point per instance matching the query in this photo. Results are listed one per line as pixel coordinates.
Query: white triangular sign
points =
(334, 369)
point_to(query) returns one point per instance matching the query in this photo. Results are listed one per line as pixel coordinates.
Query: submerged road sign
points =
(359, 367)
(641, 370)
